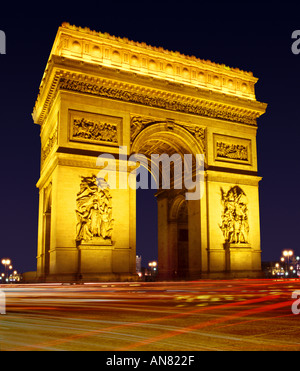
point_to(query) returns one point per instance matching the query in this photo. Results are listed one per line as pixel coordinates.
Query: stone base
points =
(240, 274)
(224, 275)
(88, 278)
(97, 241)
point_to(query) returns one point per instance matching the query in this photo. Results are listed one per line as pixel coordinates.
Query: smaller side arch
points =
(175, 207)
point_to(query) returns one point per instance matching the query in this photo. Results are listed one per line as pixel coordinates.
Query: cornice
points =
(67, 75)
(79, 33)
(225, 175)
(103, 50)
(108, 51)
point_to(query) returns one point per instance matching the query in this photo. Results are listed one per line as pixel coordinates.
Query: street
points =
(205, 315)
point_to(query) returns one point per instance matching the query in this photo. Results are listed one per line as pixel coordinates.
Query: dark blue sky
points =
(252, 36)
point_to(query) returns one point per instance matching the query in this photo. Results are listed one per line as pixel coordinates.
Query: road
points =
(201, 315)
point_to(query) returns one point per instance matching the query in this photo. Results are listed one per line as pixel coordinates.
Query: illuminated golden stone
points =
(100, 93)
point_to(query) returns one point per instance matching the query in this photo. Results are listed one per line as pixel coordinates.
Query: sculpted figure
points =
(234, 226)
(94, 211)
(83, 229)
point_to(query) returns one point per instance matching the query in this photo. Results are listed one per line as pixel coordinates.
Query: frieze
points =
(94, 131)
(169, 101)
(232, 151)
(94, 128)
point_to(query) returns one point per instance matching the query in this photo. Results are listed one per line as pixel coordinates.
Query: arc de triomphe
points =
(108, 96)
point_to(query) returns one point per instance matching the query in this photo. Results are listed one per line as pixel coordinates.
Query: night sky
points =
(252, 36)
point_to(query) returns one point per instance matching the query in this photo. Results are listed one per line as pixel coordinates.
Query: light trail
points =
(147, 315)
(208, 323)
(137, 324)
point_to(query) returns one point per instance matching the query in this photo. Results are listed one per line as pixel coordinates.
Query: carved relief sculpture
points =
(52, 140)
(234, 225)
(232, 151)
(149, 97)
(137, 124)
(95, 131)
(94, 210)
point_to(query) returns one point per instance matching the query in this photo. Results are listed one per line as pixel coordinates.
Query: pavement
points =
(205, 315)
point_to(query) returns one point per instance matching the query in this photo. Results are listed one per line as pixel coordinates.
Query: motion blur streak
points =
(266, 308)
(108, 329)
(168, 316)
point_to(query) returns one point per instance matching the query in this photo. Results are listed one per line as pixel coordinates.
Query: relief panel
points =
(94, 128)
(235, 225)
(232, 149)
(94, 211)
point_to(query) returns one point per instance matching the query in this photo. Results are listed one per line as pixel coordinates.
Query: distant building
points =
(269, 269)
(138, 261)
(275, 269)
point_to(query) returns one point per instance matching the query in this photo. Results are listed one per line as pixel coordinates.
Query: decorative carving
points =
(234, 225)
(137, 124)
(52, 140)
(232, 151)
(169, 101)
(94, 131)
(94, 210)
(199, 133)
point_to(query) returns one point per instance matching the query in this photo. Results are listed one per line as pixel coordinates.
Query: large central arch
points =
(176, 226)
(105, 96)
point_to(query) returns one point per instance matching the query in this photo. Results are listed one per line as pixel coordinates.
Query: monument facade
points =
(121, 100)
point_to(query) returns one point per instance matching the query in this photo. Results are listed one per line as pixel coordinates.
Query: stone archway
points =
(179, 219)
(145, 101)
(164, 138)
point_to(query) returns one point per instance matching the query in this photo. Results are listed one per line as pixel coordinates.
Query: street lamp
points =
(6, 262)
(287, 254)
(153, 268)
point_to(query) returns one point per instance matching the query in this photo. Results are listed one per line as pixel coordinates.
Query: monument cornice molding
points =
(67, 29)
(227, 176)
(192, 100)
(85, 45)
